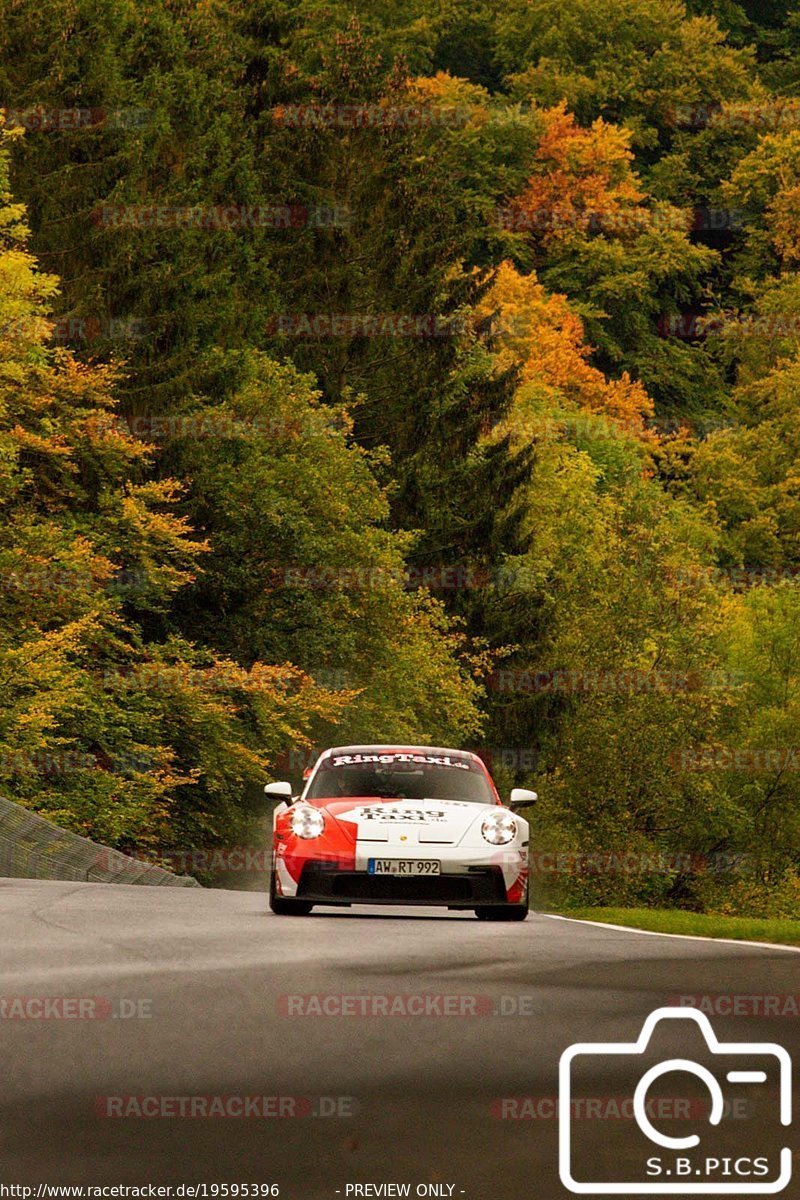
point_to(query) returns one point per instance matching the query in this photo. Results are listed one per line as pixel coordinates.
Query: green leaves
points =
(511, 371)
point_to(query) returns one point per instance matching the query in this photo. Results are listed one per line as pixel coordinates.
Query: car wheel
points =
(504, 912)
(286, 906)
(290, 908)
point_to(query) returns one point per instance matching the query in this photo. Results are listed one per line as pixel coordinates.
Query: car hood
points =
(427, 822)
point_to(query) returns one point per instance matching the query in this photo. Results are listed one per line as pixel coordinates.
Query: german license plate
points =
(403, 866)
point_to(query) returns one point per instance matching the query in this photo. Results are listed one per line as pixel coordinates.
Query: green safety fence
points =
(32, 847)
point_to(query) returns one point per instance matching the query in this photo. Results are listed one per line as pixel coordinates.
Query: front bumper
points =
(327, 883)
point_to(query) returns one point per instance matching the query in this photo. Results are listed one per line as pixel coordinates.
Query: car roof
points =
(394, 748)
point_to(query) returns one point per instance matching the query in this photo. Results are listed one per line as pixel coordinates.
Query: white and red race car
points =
(400, 825)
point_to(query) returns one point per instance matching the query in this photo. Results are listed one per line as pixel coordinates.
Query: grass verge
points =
(786, 933)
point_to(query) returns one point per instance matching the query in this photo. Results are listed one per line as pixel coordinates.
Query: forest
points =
(410, 371)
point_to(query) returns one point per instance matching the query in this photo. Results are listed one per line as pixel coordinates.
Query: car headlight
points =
(307, 822)
(499, 828)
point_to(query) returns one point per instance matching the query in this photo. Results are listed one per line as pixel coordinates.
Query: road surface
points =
(205, 998)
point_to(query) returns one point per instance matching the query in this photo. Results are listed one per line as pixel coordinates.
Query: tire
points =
(289, 908)
(503, 912)
(285, 906)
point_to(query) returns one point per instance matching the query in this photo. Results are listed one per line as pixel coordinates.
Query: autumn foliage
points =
(479, 425)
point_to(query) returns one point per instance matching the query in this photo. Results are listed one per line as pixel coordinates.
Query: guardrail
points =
(31, 847)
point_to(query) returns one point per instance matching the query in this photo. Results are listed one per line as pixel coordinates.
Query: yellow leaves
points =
(49, 575)
(541, 335)
(769, 179)
(784, 217)
(35, 443)
(212, 682)
(452, 101)
(538, 332)
(108, 433)
(36, 678)
(24, 290)
(294, 698)
(156, 542)
(24, 296)
(19, 273)
(159, 529)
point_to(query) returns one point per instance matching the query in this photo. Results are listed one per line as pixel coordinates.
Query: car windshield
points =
(401, 777)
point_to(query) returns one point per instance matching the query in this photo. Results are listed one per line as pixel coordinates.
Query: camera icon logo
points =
(683, 1165)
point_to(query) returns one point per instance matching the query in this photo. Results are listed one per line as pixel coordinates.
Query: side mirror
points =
(279, 791)
(521, 796)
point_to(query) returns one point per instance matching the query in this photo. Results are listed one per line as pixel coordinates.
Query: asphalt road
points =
(227, 1004)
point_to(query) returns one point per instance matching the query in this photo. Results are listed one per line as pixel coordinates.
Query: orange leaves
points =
(541, 335)
(583, 177)
(626, 401)
(34, 443)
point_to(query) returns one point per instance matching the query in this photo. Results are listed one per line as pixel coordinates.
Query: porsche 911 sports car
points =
(400, 825)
